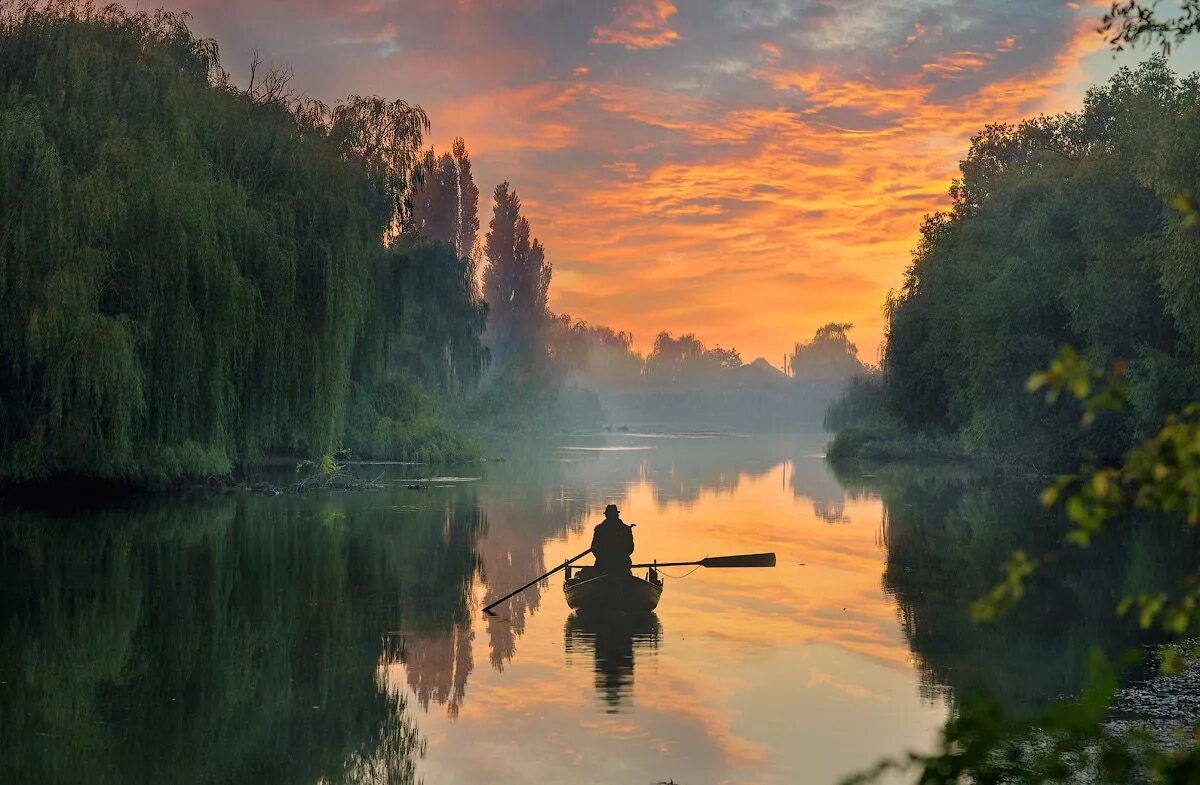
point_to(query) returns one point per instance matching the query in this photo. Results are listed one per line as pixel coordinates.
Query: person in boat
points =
(612, 543)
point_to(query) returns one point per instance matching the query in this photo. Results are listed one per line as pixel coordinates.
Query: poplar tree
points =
(516, 284)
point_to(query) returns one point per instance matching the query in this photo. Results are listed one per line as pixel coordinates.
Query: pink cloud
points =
(639, 24)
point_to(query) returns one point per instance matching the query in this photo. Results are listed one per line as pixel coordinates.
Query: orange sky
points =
(743, 169)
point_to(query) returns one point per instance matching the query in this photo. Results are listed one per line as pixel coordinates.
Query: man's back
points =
(612, 544)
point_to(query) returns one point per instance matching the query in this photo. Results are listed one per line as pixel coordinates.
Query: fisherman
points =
(612, 543)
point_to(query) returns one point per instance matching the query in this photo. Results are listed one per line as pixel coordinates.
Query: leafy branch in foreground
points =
(985, 744)
(1161, 475)
(1069, 740)
(1131, 21)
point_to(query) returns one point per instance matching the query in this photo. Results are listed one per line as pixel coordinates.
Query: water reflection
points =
(437, 666)
(611, 643)
(338, 639)
(229, 640)
(948, 531)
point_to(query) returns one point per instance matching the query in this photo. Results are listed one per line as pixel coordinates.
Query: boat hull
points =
(608, 594)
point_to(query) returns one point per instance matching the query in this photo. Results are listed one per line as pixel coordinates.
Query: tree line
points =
(1107, 193)
(194, 274)
(606, 360)
(1065, 230)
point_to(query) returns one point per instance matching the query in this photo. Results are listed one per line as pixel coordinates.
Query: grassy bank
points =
(889, 443)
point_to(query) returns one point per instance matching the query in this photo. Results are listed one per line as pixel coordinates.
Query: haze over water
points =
(756, 675)
(338, 638)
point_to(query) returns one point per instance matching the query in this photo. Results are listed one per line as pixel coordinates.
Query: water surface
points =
(337, 637)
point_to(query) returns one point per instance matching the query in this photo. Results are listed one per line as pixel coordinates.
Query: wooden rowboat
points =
(593, 592)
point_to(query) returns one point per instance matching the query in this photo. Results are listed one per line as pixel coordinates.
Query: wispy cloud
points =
(746, 170)
(639, 24)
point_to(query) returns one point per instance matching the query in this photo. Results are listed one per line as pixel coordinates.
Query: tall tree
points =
(446, 203)
(466, 227)
(516, 282)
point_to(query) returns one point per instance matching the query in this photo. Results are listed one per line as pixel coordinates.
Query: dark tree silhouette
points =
(830, 355)
(446, 202)
(516, 284)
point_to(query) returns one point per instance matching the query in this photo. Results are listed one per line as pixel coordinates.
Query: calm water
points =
(337, 638)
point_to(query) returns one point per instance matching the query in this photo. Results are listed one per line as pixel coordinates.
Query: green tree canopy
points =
(188, 270)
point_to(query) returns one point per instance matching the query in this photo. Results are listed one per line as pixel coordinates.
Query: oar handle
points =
(746, 560)
(664, 564)
(488, 609)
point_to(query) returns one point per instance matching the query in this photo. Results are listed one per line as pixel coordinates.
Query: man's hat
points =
(611, 510)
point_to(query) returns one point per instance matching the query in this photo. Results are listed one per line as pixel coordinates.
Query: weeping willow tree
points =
(420, 336)
(188, 271)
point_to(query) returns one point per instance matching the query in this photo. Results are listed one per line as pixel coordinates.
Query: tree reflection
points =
(235, 640)
(611, 643)
(947, 533)
(437, 666)
(811, 478)
(248, 639)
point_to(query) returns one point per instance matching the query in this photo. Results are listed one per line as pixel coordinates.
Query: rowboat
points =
(594, 592)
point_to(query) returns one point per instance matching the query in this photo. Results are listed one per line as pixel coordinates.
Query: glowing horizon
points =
(746, 171)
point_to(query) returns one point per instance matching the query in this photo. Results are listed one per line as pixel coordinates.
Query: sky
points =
(746, 170)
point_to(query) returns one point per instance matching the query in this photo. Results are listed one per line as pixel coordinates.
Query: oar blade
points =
(747, 560)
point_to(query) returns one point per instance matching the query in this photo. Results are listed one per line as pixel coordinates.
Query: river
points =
(336, 637)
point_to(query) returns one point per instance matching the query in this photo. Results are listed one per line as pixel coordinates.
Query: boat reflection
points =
(612, 641)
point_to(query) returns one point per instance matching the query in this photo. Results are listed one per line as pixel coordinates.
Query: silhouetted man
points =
(612, 542)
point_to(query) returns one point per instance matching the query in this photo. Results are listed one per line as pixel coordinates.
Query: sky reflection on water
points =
(336, 638)
(793, 674)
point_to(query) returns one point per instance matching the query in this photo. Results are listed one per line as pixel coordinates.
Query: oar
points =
(488, 609)
(748, 560)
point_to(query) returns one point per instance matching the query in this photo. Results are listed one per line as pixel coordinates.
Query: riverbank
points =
(886, 444)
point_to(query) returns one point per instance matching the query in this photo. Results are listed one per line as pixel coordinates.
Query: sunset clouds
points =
(640, 24)
(746, 170)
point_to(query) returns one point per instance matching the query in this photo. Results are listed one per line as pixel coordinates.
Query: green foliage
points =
(398, 420)
(862, 402)
(883, 442)
(516, 286)
(1047, 215)
(188, 271)
(1062, 743)
(1141, 123)
(422, 320)
(1155, 482)
(328, 467)
(1072, 372)
(1129, 22)
(1009, 591)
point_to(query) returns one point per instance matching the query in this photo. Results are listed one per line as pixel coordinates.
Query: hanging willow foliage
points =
(187, 271)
